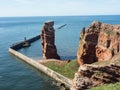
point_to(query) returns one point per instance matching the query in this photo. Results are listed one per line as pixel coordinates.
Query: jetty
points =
(58, 77)
(62, 26)
(25, 43)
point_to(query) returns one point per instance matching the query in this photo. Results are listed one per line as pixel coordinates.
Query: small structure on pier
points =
(25, 43)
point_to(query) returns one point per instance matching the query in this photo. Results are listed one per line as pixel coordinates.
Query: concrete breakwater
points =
(19, 45)
(58, 77)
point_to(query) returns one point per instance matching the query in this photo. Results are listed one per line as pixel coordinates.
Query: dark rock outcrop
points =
(90, 76)
(100, 42)
(48, 41)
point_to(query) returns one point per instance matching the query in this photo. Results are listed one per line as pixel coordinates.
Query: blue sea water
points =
(15, 74)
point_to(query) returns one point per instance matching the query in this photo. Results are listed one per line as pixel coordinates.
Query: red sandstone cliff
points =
(100, 42)
(48, 41)
(91, 75)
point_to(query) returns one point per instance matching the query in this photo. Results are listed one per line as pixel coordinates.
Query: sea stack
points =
(48, 41)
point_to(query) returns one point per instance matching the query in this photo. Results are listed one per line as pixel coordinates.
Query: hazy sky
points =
(58, 7)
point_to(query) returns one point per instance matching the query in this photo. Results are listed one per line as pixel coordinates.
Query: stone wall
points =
(20, 44)
(58, 77)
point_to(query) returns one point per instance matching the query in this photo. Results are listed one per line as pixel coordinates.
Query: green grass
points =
(66, 69)
(69, 69)
(115, 86)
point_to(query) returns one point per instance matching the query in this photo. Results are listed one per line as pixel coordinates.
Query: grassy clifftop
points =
(67, 69)
(115, 86)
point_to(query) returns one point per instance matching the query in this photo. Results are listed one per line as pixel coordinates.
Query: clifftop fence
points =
(58, 77)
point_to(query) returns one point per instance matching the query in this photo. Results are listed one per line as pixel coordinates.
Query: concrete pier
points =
(58, 77)
(19, 45)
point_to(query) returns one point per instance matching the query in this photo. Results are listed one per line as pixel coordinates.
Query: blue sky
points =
(58, 7)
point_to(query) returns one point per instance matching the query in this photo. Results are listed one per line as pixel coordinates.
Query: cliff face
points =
(90, 76)
(48, 41)
(100, 42)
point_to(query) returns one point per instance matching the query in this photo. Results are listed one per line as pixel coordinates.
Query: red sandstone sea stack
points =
(48, 41)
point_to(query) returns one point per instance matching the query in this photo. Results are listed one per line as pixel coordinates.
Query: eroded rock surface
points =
(90, 76)
(48, 41)
(100, 42)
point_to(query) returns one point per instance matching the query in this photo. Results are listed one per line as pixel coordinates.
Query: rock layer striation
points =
(48, 41)
(91, 75)
(100, 42)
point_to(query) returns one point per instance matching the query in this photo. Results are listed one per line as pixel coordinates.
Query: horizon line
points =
(61, 15)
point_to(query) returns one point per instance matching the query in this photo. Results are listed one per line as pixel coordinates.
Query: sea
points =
(17, 75)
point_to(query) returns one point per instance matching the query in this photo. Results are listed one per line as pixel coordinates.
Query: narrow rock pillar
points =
(48, 41)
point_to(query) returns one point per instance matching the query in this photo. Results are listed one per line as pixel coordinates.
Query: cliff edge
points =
(100, 42)
(92, 75)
